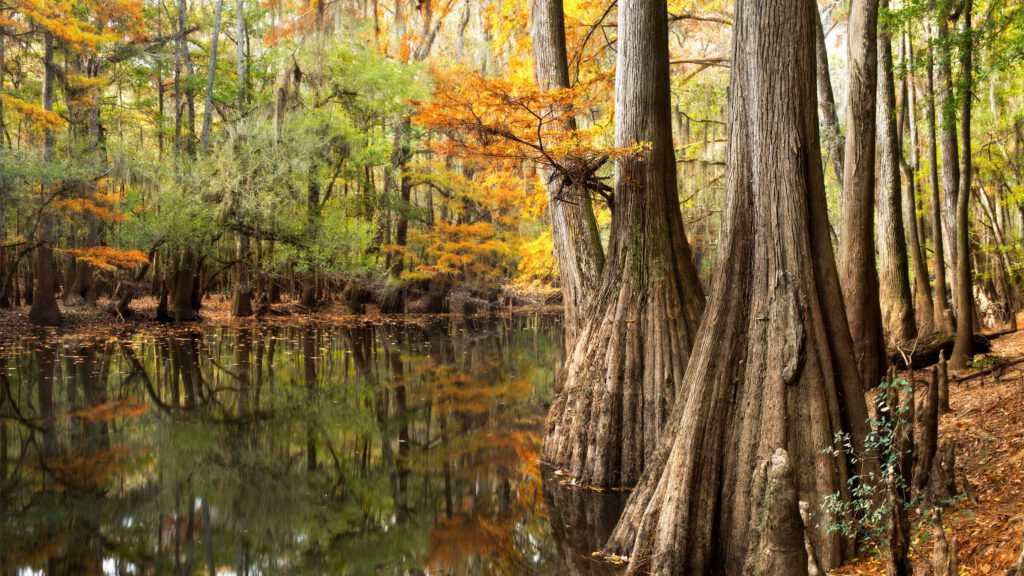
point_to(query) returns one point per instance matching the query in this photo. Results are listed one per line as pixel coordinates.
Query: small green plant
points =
(865, 515)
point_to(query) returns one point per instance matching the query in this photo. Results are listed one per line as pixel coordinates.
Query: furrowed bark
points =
(776, 529)
(624, 372)
(773, 365)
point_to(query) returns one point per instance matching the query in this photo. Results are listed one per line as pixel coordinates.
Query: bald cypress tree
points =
(773, 364)
(624, 372)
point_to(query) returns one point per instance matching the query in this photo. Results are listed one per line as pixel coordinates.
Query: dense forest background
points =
(316, 151)
(376, 153)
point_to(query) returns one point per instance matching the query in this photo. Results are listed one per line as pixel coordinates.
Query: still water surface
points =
(394, 448)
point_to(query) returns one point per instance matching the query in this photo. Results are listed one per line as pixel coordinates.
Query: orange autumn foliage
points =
(107, 258)
(36, 115)
(86, 24)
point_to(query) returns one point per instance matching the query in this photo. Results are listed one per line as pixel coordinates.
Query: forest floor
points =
(987, 423)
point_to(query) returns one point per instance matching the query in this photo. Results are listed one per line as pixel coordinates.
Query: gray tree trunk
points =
(893, 268)
(945, 102)
(923, 303)
(943, 321)
(830, 130)
(578, 249)
(210, 77)
(625, 371)
(773, 365)
(963, 347)
(776, 530)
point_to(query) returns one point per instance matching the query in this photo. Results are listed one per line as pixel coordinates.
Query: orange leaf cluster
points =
(42, 119)
(107, 258)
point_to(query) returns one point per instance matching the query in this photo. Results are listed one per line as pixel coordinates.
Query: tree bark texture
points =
(893, 268)
(963, 351)
(624, 372)
(577, 243)
(944, 550)
(945, 104)
(928, 426)
(776, 530)
(773, 365)
(857, 249)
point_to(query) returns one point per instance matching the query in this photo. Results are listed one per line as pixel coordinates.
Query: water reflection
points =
(406, 448)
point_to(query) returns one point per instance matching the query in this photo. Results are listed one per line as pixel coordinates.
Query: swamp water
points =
(391, 448)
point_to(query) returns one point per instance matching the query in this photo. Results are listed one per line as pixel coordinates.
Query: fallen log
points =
(997, 369)
(924, 351)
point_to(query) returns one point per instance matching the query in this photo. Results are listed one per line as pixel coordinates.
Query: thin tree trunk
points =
(963, 345)
(240, 42)
(577, 243)
(923, 303)
(945, 103)
(893, 270)
(831, 133)
(773, 366)
(942, 320)
(625, 371)
(857, 248)
(210, 77)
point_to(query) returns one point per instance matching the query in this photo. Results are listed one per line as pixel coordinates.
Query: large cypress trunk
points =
(857, 248)
(893, 267)
(622, 376)
(773, 365)
(241, 296)
(183, 302)
(577, 244)
(45, 310)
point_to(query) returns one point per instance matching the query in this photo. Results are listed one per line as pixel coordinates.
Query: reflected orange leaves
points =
(85, 471)
(113, 410)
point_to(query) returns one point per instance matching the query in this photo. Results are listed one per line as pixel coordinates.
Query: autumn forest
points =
(511, 287)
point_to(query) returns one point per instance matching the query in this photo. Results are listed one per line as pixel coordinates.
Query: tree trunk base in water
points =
(241, 304)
